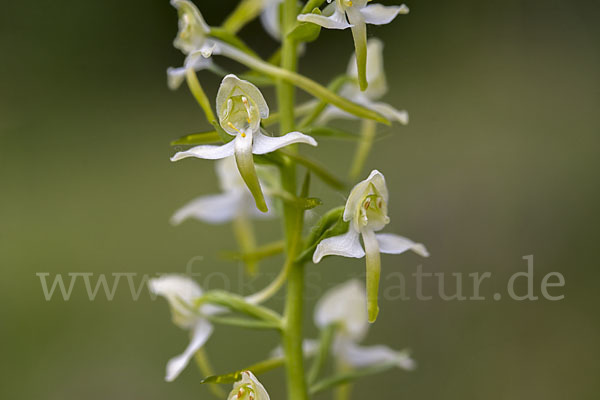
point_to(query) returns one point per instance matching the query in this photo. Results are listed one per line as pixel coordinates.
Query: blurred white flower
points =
(355, 14)
(193, 41)
(377, 88)
(240, 108)
(234, 201)
(269, 17)
(181, 292)
(366, 211)
(248, 388)
(344, 307)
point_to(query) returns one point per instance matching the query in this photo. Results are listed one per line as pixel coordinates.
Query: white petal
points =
(390, 243)
(266, 144)
(367, 356)
(358, 192)
(234, 86)
(200, 334)
(390, 112)
(346, 245)
(180, 291)
(214, 209)
(378, 14)
(206, 152)
(336, 21)
(345, 305)
(175, 77)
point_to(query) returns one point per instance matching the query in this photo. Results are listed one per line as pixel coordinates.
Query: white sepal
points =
(378, 14)
(207, 152)
(346, 245)
(390, 243)
(369, 356)
(337, 20)
(266, 144)
(200, 334)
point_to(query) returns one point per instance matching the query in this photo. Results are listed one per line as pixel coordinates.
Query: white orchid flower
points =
(180, 292)
(248, 388)
(366, 211)
(344, 307)
(355, 14)
(240, 108)
(235, 200)
(368, 98)
(193, 41)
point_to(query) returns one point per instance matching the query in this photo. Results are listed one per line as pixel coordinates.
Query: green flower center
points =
(373, 211)
(240, 114)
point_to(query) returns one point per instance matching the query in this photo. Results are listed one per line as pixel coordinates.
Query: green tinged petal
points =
(245, 163)
(373, 272)
(359, 32)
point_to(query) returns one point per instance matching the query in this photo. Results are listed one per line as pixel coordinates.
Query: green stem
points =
(199, 95)
(293, 218)
(364, 147)
(242, 228)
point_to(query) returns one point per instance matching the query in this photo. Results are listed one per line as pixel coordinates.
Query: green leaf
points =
(239, 304)
(243, 322)
(232, 39)
(311, 5)
(334, 87)
(198, 138)
(346, 377)
(257, 369)
(259, 253)
(306, 31)
(324, 345)
(303, 203)
(331, 224)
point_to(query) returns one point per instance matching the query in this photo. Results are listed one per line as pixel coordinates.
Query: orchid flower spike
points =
(240, 108)
(181, 292)
(366, 211)
(344, 307)
(235, 200)
(355, 14)
(193, 41)
(248, 388)
(377, 88)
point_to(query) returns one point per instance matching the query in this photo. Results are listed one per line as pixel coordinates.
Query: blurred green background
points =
(500, 161)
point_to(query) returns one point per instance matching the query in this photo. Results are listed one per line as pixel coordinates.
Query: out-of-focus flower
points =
(344, 307)
(355, 14)
(240, 108)
(368, 98)
(366, 211)
(269, 17)
(181, 292)
(248, 388)
(193, 41)
(234, 201)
